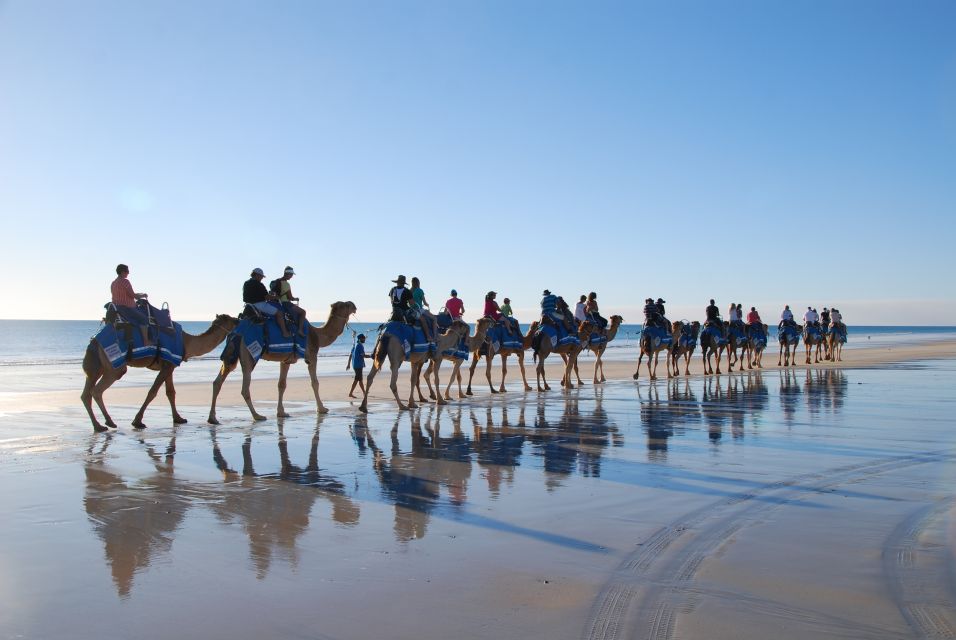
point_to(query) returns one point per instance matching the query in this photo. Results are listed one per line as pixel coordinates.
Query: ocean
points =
(46, 355)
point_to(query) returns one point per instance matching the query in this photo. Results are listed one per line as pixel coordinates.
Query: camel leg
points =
(314, 380)
(164, 373)
(368, 384)
(393, 384)
(639, 358)
(461, 395)
(247, 391)
(577, 374)
(504, 372)
(224, 372)
(413, 382)
(488, 363)
(282, 384)
(568, 370)
(524, 378)
(418, 381)
(87, 399)
(437, 367)
(100, 388)
(597, 365)
(717, 357)
(471, 371)
(428, 373)
(455, 374)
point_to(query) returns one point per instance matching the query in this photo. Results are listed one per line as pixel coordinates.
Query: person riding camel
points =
(786, 318)
(124, 299)
(825, 318)
(426, 319)
(567, 318)
(810, 318)
(493, 311)
(732, 316)
(255, 294)
(284, 292)
(652, 314)
(753, 318)
(401, 298)
(592, 313)
(549, 309)
(454, 306)
(663, 314)
(712, 314)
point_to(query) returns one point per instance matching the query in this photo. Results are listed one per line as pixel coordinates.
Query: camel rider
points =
(652, 314)
(786, 318)
(255, 294)
(825, 318)
(836, 319)
(753, 318)
(284, 292)
(712, 314)
(509, 317)
(506, 308)
(566, 316)
(810, 317)
(579, 313)
(493, 311)
(124, 298)
(549, 309)
(592, 313)
(426, 319)
(454, 306)
(401, 298)
(740, 313)
(663, 315)
(732, 316)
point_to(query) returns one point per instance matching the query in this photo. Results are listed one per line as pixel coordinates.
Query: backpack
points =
(275, 287)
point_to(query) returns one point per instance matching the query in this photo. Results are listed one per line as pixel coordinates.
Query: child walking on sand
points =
(358, 363)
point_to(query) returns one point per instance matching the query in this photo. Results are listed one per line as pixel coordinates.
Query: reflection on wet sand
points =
(273, 508)
(420, 462)
(134, 519)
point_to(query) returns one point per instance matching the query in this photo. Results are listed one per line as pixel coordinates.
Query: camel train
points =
(742, 344)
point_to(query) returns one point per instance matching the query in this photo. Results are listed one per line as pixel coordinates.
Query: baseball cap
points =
(258, 272)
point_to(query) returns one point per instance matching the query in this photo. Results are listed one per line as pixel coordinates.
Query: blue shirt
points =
(549, 303)
(358, 356)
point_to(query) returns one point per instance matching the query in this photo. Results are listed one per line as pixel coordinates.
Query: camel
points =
(100, 374)
(813, 337)
(757, 345)
(544, 349)
(598, 350)
(711, 344)
(504, 352)
(388, 346)
(789, 337)
(686, 336)
(739, 339)
(473, 343)
(837, 340)
(651, 346)
(318, 337)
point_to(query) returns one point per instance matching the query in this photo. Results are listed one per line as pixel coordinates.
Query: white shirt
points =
(734, 316)
(835, 317)
(810, 316)
(786, 315)
(579, 312)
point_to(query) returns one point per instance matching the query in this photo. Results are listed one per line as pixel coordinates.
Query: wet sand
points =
(815, 502)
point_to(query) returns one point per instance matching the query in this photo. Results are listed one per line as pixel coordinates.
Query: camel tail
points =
(91, 363)
(381, 349)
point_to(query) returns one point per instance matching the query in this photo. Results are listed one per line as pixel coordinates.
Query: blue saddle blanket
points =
(658, 334)
(500, 338)
(791, 333)
(559, 336)
(411, 338)
(715, 334)
(124, 345)
(812, 332)
(737, 332)
(266, 337)
(598, 337)
(757, 336)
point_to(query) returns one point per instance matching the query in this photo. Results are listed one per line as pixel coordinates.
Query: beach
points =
(808, 502)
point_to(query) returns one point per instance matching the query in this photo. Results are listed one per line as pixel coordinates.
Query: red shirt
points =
(122, 292)
(753, 318)
(491, 309)
(455, 307)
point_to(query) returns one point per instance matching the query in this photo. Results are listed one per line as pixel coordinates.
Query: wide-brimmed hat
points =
(399, 280)
(661, 301)
(546, 292)
(258, 272)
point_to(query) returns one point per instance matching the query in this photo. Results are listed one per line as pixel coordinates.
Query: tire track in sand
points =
(663, 568)
(917, 581)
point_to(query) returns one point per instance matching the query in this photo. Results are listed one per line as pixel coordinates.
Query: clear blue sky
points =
(760, 152)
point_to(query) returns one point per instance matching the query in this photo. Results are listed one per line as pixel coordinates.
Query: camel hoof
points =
(363, 408)
(502, 390)
(402, 407)
(547, 388)
(138, 424)
(258, 418)
(111, 424)
(442, 401)
(322, 409)
(468, 393)
(212, 420)
(179, 420)
(528, 388)
(98, 428)
(635, 376)
(493, 390)
(283, 414)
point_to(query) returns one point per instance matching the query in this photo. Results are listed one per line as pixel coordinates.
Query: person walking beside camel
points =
(358, 363)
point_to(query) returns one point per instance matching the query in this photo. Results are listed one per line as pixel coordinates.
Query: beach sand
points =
(813, 502)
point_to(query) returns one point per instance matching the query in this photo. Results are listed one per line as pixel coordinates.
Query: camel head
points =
(225, 322)
(342, 309)
(616, 321)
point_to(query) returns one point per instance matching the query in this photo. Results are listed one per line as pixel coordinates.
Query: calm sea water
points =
(46, 355)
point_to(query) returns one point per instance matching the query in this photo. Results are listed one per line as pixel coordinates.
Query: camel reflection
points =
(499, 443)
(790, 392)
(274, 508)
(825, 390)
(135, 520)
(662, 420)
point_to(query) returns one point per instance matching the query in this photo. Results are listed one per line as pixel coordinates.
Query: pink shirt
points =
(753, 318)
(122, 292)
(491, 309)
(455, 307)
